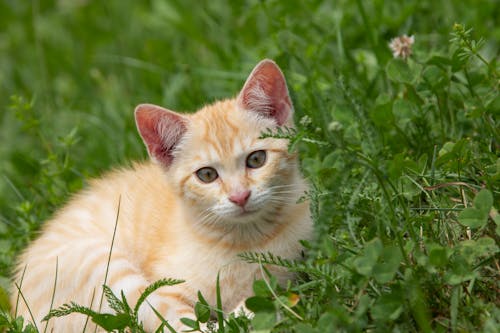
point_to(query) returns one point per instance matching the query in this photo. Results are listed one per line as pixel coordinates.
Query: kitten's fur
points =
(171, 224)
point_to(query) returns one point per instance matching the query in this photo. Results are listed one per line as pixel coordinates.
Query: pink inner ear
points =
(266, 93)
(161, 131)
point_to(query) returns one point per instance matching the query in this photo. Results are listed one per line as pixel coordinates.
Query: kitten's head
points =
(216, 159)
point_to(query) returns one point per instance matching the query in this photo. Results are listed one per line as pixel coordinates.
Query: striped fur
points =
(171, 224)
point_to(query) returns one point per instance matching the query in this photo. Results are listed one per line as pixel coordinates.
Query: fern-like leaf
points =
(70, 308)
(282, 132)
(114, 302)
(126, 307)
(151, 288)
(294, 136)
(321, 271)
(267, 259)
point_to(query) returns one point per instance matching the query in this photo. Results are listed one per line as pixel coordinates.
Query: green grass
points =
(403, 156)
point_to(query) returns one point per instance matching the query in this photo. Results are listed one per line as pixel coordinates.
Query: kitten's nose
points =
(240, 198)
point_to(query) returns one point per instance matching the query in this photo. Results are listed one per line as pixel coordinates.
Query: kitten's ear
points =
(265, 92)
(161, 131)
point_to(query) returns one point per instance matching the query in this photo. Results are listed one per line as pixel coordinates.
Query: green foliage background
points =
(403, 155)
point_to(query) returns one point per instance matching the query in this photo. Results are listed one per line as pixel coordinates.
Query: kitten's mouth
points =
(246, 212)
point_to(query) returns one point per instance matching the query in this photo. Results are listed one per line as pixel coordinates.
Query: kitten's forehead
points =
(221, 129)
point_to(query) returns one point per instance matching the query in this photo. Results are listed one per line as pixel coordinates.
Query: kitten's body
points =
(170, 223)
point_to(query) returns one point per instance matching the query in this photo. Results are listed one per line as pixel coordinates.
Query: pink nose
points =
(240, 198)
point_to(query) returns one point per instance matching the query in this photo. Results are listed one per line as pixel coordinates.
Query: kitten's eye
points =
(256, 159)
(207, 174)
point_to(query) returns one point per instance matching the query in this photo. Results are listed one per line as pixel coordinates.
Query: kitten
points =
(213, 189)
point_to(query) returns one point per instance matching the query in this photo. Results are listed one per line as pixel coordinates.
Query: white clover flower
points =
(401, 46)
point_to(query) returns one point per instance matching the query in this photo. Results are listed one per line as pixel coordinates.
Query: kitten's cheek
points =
(198, 199)
(189, 197)
(195, 200)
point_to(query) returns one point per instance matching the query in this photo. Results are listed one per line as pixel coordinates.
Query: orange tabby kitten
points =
(213, 189)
